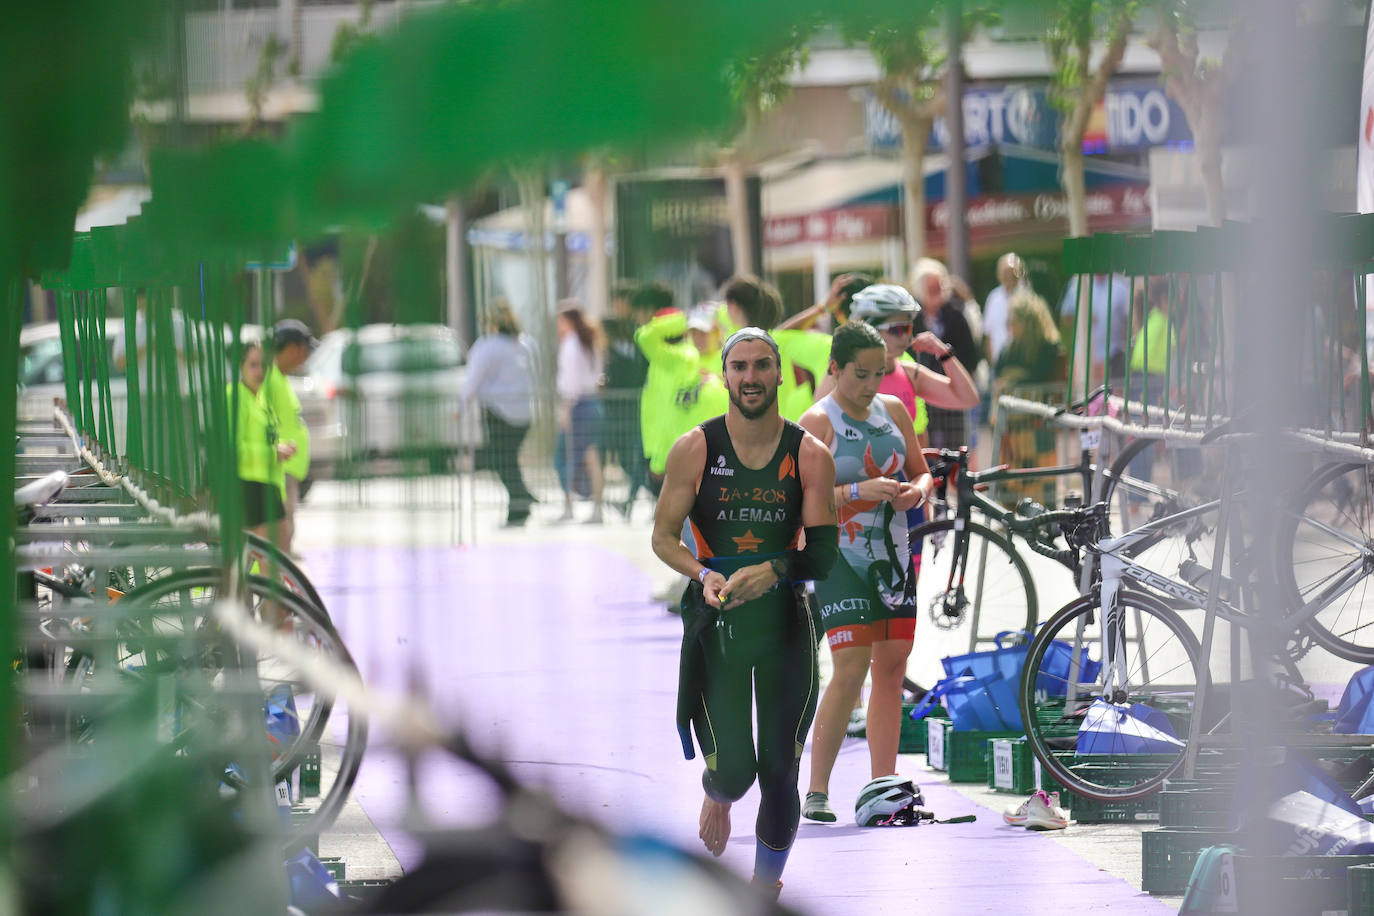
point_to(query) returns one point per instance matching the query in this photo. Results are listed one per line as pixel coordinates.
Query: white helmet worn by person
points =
(885, 799)
(881, 302)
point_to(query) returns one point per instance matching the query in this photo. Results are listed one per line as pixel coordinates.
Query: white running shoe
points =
(1039, 812)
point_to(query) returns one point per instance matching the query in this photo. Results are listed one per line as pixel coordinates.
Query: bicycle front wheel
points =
(1325, 557)
(972, 576)
(1150, 672)
(1148, 481)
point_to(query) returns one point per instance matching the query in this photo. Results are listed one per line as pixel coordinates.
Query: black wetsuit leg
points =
(769, 651)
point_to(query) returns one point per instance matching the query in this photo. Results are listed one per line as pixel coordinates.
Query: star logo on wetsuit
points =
(747, 543)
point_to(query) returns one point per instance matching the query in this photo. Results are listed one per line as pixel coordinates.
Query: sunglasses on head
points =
(895, 330)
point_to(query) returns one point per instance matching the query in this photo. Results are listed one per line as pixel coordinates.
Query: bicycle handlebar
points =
(1101, 391)
(1063, 556)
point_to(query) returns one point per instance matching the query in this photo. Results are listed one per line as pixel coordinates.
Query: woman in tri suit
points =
(867, 604)
(892, 310)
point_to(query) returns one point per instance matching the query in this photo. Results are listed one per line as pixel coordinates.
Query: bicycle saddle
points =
(41, 491)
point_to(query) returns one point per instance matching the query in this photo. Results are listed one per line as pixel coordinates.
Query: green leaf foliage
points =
(67, 74)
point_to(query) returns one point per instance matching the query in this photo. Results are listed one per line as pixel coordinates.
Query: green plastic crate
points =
(1091, 811)
(335, 866)
(1300, 885)
(364, 889)
(963, 755)
(913, 739)
(1168, 854)
(1197, 803)
(300, 816)
(310, 773)
(1019, 778)
(1359, 882)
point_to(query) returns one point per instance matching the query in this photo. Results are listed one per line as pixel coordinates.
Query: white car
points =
(386, 391)
(42, 375)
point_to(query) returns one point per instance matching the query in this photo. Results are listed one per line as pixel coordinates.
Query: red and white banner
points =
(993, 217)
(836, 227)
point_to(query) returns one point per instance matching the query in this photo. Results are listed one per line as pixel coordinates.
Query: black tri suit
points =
(763, 650)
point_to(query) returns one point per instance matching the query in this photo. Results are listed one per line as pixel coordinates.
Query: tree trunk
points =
(459, 308)
(1199, 94)
(538, 319)
(598, 267)
(1207, 148)
(914, 190)
(737, 205)
(323, 290)
(916, 118)
(1071, 177)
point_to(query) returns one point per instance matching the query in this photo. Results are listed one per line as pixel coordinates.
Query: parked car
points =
(386, 391)
(42, 374)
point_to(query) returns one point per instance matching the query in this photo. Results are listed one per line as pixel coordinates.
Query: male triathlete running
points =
(867, 604)
(755, 489)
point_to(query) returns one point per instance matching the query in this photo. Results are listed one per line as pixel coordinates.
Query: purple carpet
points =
(553, 658)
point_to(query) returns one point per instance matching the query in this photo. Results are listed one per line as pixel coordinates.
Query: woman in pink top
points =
(892, 310)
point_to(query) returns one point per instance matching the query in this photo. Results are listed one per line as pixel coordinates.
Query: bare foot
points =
(715, 825)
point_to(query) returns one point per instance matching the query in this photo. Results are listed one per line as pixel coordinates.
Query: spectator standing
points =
(261, 450)
(292, 344)
(626, 372)
(1151, 354)
(753, 303)
(500, 378)
(1109, 296)
(1031, 359)
(1011, 276)
(578, 383)
(945, 318)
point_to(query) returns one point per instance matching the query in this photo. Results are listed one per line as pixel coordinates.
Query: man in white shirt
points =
(500, 377)
(1011, 274)
(1106, 290)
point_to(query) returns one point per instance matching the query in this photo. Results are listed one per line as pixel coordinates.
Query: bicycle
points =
(969, 571)
(1149, 658)
(996, 589)
(92, 642)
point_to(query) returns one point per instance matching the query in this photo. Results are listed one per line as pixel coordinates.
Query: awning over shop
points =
(834, 184)
(505, 229)
(111, 206)
(851, 207)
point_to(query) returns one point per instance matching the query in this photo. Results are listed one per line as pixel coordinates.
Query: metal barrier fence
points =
(1192, 290)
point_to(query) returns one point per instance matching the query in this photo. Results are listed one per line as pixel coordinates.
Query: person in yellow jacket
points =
(292, 344)
(261, 450)
(669, 405)
(704, 329)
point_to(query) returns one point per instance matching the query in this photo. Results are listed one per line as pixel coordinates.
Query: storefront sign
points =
(1010, 114)
(1141, 115)
(847, 224)
(995, 216)
(677, 231)
(1132, 115)
(990, 217)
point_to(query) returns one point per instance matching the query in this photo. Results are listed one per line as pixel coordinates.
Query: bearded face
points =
(752, 378)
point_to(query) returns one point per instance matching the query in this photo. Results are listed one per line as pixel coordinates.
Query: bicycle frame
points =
(970, 497)
(1114, 563)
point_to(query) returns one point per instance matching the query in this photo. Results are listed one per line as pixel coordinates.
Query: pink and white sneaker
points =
(1039, 812)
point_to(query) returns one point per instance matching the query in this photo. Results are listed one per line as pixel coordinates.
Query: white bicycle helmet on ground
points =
(882, 302)
(886, 798)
